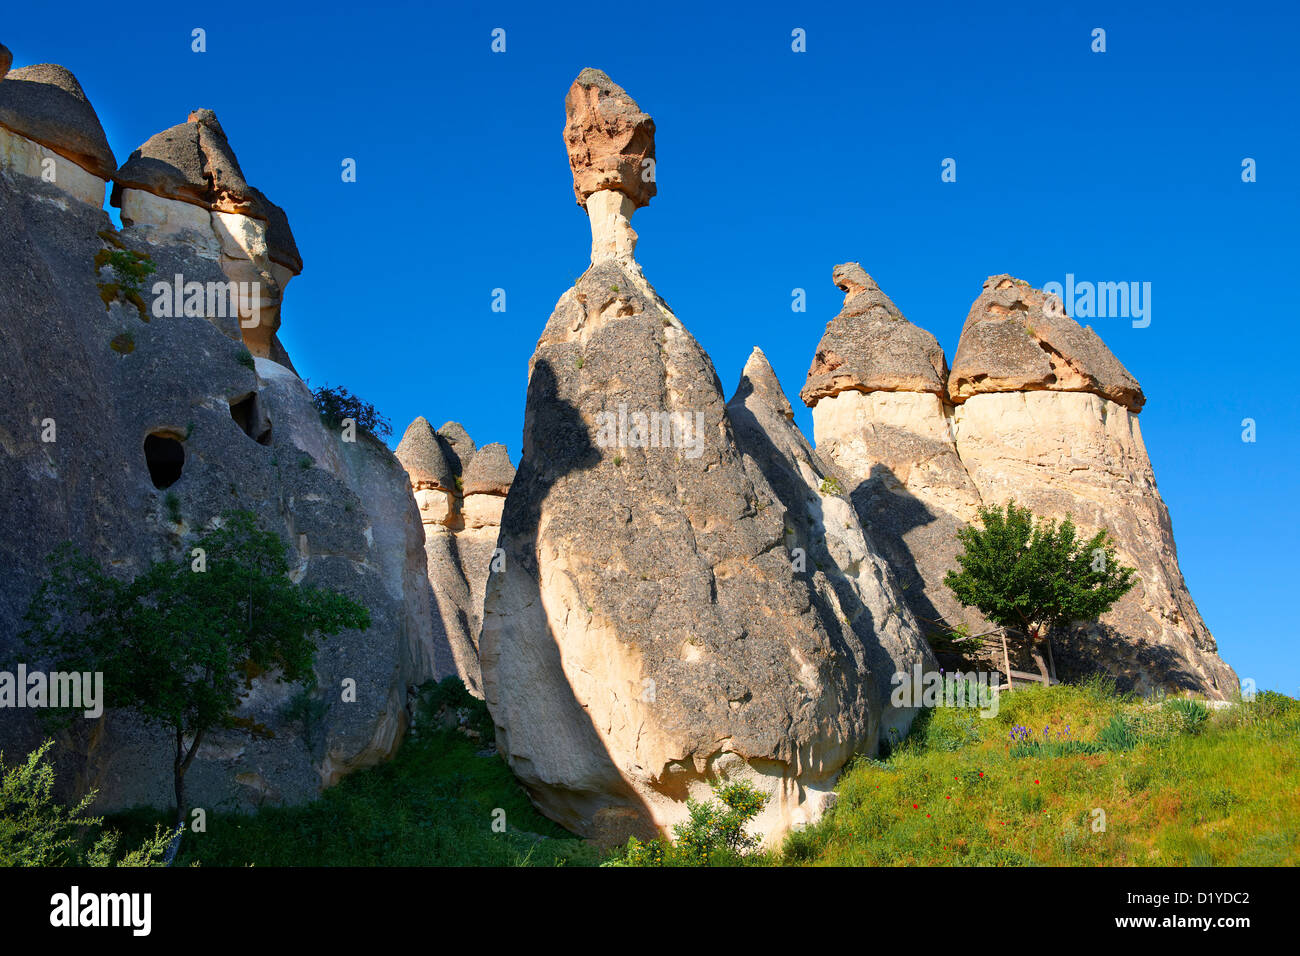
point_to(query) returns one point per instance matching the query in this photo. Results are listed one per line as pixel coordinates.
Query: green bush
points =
(37, 831)
(337, 404)
(713, 834)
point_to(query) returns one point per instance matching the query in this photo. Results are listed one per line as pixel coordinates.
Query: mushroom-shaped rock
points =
(869, 346)
(45, 103)
(422, 455)
(489, 472)
(1019, 339)
(193, 162)
(609, 140)
(460, 448)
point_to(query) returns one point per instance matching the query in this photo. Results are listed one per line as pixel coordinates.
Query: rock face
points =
(1036, 409)
(851, 582)
(185, 185)
(118, 382)
(460, 491)
(49, 131)
(609, 140)
(648, 631)
(1048, 416)
(877, 389)
(6, 60)
(1019, 339)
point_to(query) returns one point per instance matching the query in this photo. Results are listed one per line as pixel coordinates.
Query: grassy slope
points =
(1226, 792)
(432, 805)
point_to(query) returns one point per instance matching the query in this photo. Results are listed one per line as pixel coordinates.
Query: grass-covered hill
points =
(1068, 775)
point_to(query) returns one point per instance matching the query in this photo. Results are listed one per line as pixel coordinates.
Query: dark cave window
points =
(248, 416)
(165, 456)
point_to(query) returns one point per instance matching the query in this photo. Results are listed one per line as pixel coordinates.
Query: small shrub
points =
(245, 358)
(1192, 714)
(123, 344)
(831, 486)
(173, 505)
(1118, 735)
(37, 831)
(713, 834)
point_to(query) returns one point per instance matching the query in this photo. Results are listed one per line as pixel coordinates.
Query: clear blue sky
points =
(774, 166)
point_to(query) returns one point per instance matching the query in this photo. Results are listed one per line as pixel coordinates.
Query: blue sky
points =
(773, 166)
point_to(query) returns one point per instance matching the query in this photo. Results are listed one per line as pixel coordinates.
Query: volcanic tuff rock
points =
(648, 631)
(460, 492)
(109, 378)
(608, 139)
(49, 131)
(1067, 441)
(185, 185)
(851, 583)
(1045, 414)
(870, 347)
(876, 387)
(1017, 338)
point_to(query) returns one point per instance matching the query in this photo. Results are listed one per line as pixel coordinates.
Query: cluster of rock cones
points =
(642, 616)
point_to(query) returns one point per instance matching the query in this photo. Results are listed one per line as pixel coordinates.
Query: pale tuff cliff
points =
(650, 630)
(1035, 409)
(164, 422)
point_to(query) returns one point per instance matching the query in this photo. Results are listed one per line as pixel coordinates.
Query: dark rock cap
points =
(489, 471)
(421, 454)
(871, 347)
(194, 162)
(6, 60)
(1018, 338)
(608, 138)
(46, 104)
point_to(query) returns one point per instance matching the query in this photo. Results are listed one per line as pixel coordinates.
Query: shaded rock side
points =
(243, 438)
(1018, 338)
(49, 131)
(648, 632)
(876, 387)
(851, 582)
(45, 103)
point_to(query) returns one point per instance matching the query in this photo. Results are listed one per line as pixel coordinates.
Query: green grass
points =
(432, 805)
(1178, 785)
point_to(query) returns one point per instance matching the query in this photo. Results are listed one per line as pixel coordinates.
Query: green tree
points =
(1031, 575)
(179, 642)
(36, 830)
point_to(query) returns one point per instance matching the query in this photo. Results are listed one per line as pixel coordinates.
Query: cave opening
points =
(165, 456)
(252, 421)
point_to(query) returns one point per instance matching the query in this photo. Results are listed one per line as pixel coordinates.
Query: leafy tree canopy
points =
(1034, 575)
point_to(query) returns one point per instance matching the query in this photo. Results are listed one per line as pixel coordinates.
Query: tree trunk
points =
(1051, 661)
(1037, 655)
